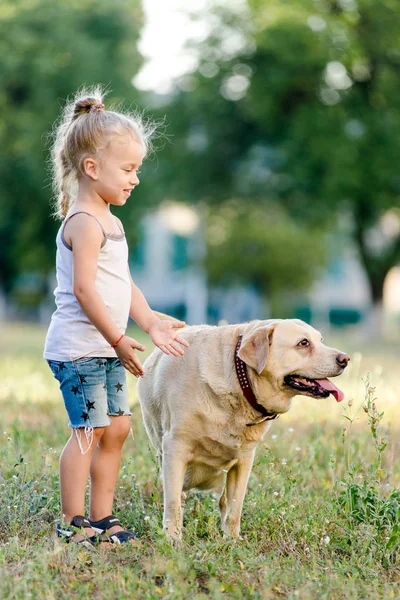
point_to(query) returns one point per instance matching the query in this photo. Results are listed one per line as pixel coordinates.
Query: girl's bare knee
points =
(98, 433)
(121, 428)
(117, 432)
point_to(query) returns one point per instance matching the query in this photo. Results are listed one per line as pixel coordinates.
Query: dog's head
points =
(292, 356)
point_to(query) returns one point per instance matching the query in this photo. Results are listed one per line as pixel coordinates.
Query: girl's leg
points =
(105, 466)
(74, 471)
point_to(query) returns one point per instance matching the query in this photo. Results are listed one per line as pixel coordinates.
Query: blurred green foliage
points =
(50, 49)
(293, 116)
(297, 104)
(265, 247)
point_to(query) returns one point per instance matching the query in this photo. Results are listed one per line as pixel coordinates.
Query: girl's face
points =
(115, 172)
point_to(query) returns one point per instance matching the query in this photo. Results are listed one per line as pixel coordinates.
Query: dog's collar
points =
(241, 372)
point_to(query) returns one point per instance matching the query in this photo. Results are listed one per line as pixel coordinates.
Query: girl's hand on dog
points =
(127, 355)
(164, 337)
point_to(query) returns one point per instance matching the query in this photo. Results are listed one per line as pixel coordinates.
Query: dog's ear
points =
(255, 346)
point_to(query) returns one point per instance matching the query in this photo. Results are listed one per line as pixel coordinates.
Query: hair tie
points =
(96, 108)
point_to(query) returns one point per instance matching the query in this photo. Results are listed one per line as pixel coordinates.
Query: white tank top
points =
(71, 335)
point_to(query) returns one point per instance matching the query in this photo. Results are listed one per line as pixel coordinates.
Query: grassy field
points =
(321, 517)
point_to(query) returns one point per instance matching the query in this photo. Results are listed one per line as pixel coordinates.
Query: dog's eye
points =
(304, 343)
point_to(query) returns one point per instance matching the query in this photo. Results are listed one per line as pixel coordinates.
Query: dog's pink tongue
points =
(331, 387)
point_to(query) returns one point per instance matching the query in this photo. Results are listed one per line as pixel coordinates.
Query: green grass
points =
(321, 516)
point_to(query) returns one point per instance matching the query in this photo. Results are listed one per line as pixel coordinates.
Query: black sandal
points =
(115, 538)
(78, 522)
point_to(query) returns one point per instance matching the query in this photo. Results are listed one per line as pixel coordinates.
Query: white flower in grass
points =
(326, 539)
(290, 430)
(147, 518)
(297, 448)
(276, 493)
(274, 436)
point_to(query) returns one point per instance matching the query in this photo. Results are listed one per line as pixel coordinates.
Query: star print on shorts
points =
(93, 388)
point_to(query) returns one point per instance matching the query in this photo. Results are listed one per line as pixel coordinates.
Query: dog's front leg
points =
(231, 502)
(174, 466)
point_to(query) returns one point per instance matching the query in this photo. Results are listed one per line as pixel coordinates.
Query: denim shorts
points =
(92, 388)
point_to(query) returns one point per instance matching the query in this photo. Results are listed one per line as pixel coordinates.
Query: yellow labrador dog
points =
(206, 412)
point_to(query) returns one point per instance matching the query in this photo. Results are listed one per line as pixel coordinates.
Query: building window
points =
(337, 269)
(179, 245)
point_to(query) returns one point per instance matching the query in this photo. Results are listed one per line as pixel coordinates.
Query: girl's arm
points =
(137, 295)
(159, 326)
(140, 311)
(162, 316)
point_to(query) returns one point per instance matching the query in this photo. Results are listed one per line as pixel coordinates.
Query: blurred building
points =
(342, 295)
(167, 267)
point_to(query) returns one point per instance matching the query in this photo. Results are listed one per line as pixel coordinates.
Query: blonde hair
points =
(86, 128)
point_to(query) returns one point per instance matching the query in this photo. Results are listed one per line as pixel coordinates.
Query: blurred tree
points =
(246, 243)
(297, 103)
(50, 49)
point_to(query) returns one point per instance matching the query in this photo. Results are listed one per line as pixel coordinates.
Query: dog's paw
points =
(231, 531)
(172, 532)
(175, 540)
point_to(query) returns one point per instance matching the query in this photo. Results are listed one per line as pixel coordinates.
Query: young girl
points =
(96, 156)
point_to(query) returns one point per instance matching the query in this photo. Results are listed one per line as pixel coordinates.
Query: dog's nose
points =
(342, 360)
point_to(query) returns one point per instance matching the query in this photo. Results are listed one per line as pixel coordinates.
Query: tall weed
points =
(369, 513)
